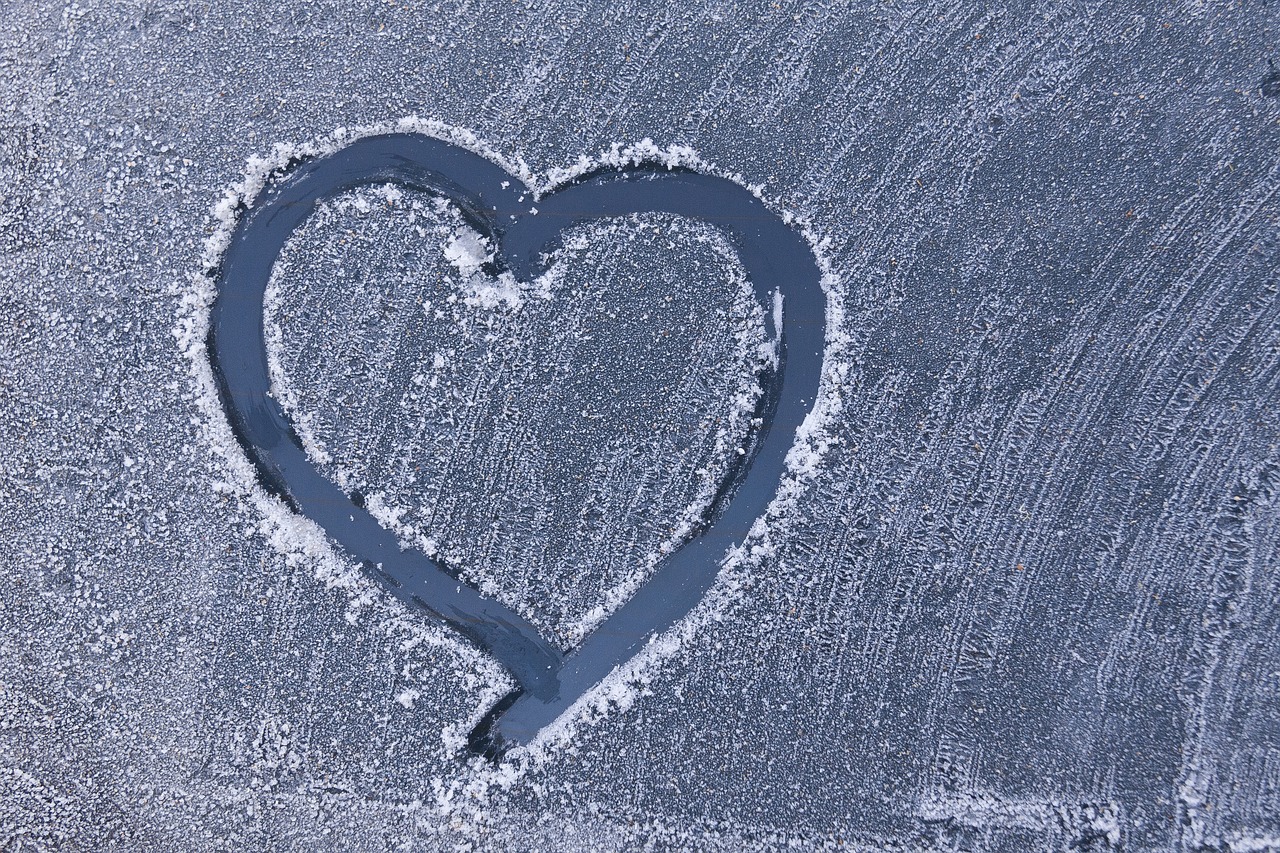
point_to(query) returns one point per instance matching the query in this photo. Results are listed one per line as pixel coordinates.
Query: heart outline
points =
(492, 201)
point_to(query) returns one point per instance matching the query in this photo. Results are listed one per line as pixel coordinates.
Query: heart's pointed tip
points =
(488, 745)
(523, 268)
(486, 739)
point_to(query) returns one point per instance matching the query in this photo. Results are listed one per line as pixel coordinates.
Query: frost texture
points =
(1025, 600)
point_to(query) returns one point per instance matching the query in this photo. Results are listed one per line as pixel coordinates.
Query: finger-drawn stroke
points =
(783, 272)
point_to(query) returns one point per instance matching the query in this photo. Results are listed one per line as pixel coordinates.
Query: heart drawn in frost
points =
(782, 270)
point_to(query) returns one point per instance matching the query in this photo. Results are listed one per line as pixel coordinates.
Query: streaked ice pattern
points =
(1032, 599)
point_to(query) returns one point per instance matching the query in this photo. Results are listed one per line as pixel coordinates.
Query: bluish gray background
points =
(1033, 602)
